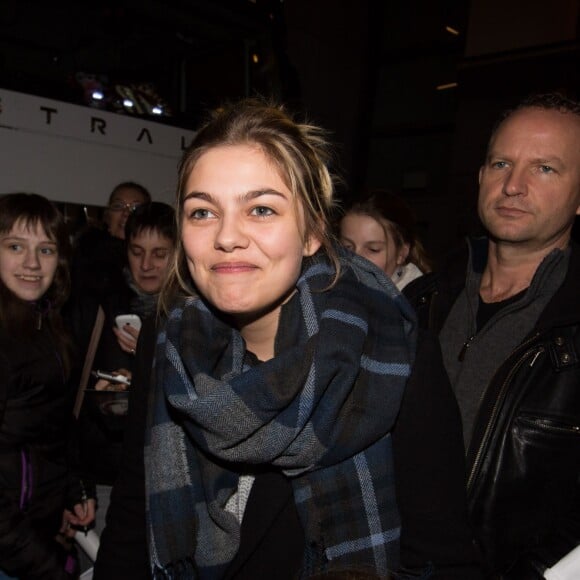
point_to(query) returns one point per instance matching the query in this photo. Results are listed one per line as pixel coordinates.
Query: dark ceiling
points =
(43, 46)
(197, 52)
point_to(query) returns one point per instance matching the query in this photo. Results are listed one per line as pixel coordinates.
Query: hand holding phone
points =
(112, 378)
(128, 319)
(118, 380)
(127, 331)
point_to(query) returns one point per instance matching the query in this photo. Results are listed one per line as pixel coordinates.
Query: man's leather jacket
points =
(523, 463)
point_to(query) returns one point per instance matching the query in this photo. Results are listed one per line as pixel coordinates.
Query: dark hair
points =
(398, 219)
(299, 151)
(130, 185)
(154, 216)
(553, 101)
(35, 210)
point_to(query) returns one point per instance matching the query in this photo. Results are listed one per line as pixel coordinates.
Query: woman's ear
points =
(403, 254)
(311, 245)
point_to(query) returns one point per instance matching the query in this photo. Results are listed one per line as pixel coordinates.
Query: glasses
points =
(121, 206)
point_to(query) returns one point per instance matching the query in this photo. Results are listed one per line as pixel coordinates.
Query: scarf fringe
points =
(182, 570)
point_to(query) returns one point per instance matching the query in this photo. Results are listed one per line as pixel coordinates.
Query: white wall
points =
(78, 154)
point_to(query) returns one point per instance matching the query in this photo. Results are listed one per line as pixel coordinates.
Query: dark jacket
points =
(99, 279)
(96, 278)
(524, 458)
(102, 419)
(430, 475)
(35, 479)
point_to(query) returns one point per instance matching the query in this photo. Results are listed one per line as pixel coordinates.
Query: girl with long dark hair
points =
(36, 485)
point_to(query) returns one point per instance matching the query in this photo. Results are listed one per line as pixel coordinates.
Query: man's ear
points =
(311, 245)
(480, 174)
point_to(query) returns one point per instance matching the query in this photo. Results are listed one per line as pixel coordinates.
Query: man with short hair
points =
(507, 312)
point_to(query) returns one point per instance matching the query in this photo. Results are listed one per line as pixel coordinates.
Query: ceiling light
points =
(97, 95)
(127, 103)
(157, 110)
(452, 30)
(255, 58)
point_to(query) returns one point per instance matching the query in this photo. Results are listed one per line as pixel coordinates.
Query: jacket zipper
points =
(464, 348)
(26, 481)
(542, 424)
(432, 309)
(498, 402)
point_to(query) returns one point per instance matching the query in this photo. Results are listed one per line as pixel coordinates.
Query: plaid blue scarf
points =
(320, 411)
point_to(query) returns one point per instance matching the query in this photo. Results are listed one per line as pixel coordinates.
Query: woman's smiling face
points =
(243, 233)
(28, 260)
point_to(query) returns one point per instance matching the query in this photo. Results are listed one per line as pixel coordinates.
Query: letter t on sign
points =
(49, 111)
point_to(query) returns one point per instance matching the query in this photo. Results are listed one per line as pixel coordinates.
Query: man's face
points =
(529, 188)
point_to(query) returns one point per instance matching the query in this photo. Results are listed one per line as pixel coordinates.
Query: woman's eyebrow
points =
(247, 196)
(24, 239)
(259, 192)
(198, 195)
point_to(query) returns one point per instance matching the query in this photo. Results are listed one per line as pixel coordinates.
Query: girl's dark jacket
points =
(523, 463)
(35, 480)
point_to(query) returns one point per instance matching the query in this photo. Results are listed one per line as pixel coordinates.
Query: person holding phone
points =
(40, 497)
(150, 241)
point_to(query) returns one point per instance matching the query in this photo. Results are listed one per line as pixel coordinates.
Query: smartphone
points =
(131, 319)
(112, 378)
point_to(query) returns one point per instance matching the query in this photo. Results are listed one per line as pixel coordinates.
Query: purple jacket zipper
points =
(26, 486)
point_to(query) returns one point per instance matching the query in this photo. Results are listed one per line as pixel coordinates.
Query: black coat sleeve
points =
(123, 553)
(430, 473)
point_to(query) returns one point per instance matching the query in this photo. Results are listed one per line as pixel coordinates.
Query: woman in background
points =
(99, 255)
(150, 239)
(382, 229)
(36, 484)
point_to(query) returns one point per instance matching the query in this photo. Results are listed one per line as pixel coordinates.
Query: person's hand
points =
(127, 338)
(105, 385)
(83, 515)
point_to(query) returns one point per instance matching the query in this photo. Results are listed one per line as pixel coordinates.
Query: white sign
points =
(78, 154)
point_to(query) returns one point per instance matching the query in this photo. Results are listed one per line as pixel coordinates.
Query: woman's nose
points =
(146, 263)
(230, 235)
(31, 260)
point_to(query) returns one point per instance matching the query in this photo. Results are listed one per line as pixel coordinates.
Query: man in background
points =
(507, 312)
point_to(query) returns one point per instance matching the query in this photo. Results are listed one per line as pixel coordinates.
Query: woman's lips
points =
(233, 267)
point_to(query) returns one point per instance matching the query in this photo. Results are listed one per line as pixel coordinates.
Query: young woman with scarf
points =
(36, 483)
(279, 369)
